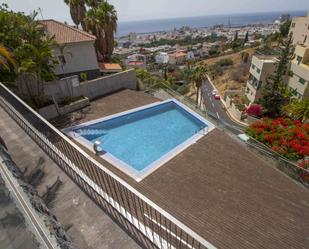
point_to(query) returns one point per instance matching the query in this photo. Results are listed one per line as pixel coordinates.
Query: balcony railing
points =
(149, 224)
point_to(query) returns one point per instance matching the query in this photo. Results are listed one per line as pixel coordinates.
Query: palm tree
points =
(78, 11)
(298, 110)
(198, 76)
(101, 20)
(7, 60)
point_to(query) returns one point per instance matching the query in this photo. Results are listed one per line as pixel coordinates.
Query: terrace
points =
(221, 190)
(228, 199)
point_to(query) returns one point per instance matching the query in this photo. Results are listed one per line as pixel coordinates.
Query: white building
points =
(299, 82)
(74, 50)
(261, 68)
(300, 30)
(190, 56)
(136, 61)
(162, 58)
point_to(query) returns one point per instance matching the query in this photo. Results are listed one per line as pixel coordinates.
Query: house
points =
(300, 30)
(191, 55)
(298, 82)
(74, 49)
(177, 58)
(261, 68)
(136, 61)
(162, 58)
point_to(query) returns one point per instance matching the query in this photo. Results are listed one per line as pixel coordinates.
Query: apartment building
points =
(299, 81)
(261, 68)
(300, 30)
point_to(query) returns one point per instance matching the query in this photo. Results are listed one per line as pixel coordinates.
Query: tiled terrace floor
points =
(223, 191)
(90, 227)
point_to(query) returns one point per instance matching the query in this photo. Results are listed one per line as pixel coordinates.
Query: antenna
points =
(41, 13)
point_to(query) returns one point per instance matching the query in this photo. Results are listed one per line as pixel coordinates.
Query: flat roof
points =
(225, 192)
(267, 58)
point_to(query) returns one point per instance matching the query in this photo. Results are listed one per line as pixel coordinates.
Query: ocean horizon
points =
(149, 26)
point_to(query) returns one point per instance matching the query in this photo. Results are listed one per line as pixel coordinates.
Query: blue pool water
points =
(140, 138)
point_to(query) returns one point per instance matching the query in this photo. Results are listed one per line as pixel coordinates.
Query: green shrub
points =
(183, 89)
(83, 76)
(225, 62)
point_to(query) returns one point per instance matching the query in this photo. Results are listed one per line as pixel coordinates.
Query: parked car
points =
(216, 96)
(214, 92)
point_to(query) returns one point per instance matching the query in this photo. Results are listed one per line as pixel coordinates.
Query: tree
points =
(244, 57)
(246, 38)
(77, 10)
(198, 76)
(285, 28)
(298, 110)
(275, 92)
(101, 20)
(30, 47)
(7, 61)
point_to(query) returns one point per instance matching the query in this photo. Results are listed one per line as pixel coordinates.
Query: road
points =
(216, 109)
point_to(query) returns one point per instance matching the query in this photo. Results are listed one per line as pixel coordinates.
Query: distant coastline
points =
(150, 26)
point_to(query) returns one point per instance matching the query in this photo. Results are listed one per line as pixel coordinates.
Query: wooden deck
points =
(219, 188)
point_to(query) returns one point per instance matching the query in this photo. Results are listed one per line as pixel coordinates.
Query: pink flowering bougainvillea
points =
(254, 110)
(287, 137)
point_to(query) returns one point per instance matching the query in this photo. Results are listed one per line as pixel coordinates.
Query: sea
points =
(150, 26)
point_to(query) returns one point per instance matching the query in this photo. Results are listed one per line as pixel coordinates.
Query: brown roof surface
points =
(110, 66)
(229, 195)
(64, 33)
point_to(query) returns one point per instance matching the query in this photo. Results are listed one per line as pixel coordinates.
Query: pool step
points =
(84, 132)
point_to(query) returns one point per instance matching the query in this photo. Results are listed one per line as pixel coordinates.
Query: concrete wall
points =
(232, 108)
(79, 57)
(71, 86)
(105, 85)
(51, 112)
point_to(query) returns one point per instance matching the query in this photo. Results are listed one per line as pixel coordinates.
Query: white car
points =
(214, 92)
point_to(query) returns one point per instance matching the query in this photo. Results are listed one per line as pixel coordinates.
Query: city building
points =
(74, 50)
(177, 58)
(300, 30)
(261, 67)
(136, 61)
(299, 81)
(162, 58)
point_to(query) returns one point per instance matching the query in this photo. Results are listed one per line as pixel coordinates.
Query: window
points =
(299, 59)
(294, 91)
(253, 66)
(302, 81)
(258, 70)
(61, 59)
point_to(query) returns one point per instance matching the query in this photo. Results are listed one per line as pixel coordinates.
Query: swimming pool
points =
(139, 141)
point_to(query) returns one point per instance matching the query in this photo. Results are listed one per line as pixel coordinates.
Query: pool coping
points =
(126, 168)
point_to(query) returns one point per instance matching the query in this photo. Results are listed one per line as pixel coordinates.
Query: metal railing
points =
(148, 224)
(285, 165)
(212, 117)
(288, 167)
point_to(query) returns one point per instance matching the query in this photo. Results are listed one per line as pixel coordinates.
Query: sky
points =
(129, 10)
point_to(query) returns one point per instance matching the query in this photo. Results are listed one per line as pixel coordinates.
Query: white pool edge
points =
(127, 169)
